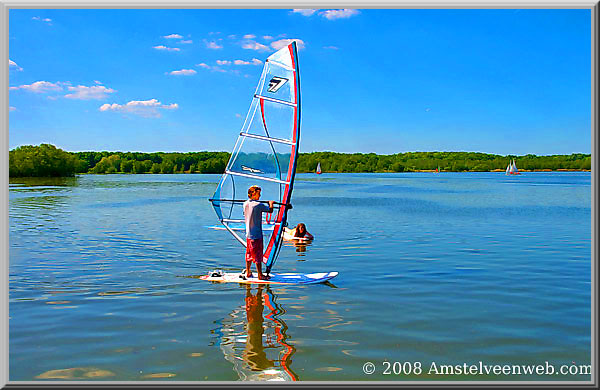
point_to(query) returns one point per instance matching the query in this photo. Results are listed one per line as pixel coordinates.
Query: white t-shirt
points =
(253, 215)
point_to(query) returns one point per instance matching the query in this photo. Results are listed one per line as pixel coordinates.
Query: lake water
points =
(434, 269)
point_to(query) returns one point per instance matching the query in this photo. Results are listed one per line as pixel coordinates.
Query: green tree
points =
(44, 160)
(126, 166)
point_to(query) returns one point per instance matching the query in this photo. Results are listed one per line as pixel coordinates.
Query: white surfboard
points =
(288, 237)
(283, 278)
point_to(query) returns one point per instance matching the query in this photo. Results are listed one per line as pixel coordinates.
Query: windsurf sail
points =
(318, 168)
(265, 153)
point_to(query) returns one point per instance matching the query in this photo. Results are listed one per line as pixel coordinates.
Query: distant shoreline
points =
(47, 160)
(520, 170)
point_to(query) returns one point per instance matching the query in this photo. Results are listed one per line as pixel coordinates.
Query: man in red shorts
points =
(254, 237)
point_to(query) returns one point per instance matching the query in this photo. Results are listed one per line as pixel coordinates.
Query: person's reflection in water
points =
(301, 246)
(253, 338)
(254, 353)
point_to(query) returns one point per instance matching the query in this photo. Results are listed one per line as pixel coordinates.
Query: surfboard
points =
(289, 237)
(283, 278)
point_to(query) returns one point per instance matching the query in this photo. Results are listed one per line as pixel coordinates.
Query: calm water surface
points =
(442, 268)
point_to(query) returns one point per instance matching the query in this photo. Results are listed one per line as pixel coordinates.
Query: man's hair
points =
(252, 190)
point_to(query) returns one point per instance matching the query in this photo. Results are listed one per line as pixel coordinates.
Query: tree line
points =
(47, 160)
(444, 161)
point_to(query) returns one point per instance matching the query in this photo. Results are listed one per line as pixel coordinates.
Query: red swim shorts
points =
(254, 250)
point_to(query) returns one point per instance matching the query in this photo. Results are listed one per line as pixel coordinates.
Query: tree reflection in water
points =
(256, 343)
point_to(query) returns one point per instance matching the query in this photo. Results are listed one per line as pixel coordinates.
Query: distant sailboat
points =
(515, 170)
(511, 169)
(318, 168)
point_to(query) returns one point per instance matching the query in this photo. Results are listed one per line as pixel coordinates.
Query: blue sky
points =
(383, 81)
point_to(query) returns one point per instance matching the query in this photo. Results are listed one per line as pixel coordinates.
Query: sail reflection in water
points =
(254, 342)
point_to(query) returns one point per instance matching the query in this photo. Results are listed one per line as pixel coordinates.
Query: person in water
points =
(253, 210)
(299, 232)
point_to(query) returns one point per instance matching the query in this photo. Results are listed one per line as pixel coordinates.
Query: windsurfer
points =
(254, 236)
(299, 232)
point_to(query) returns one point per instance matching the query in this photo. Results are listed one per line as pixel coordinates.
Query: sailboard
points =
(265, 154)
(283, 278)
(318, 168)
(287, 235)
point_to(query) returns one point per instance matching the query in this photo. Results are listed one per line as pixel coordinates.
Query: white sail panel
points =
(272, 120)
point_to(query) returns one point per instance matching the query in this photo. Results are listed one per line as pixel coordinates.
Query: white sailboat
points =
(515, 169)
(512, 169)
(318, 168)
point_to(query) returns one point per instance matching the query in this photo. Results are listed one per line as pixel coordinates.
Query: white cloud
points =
(42, 19)
(331, 47)
(183, 72)
(249, 36)
(173, 36)
(11, 108)
(252, 45)
(304, 11)
(254, 61)
(213, 44)
(332, 14)
(145, 108)
(40, 87)
(87, 93)
(186, 42)
(267, 37)
(97, 82)
(161, 47)
(232, 36)
(13, 64)
(219, 69)
(284, 42)
(238, 115)
(206, 66)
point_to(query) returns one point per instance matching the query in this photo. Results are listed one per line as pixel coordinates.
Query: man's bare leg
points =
(248, 271)
(261, 276)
